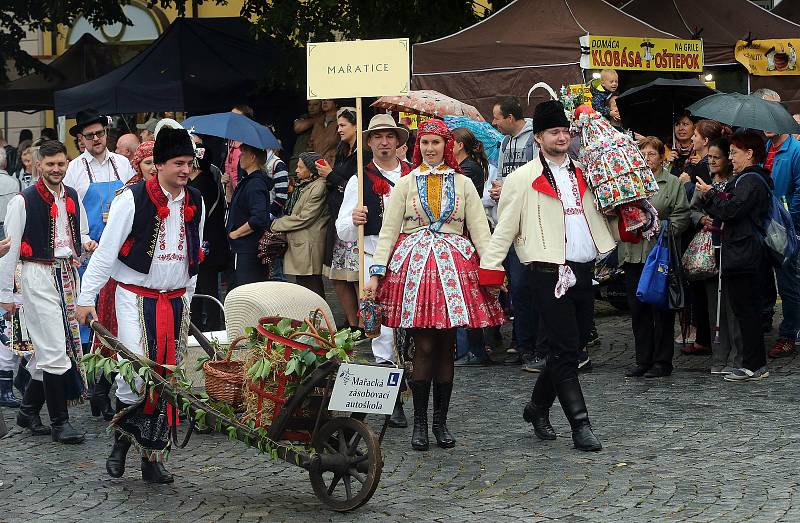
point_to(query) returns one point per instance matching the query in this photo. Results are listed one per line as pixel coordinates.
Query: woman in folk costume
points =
(152, 248)
(425, 271)
(99, 400)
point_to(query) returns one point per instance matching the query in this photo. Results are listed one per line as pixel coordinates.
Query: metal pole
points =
(360, 174)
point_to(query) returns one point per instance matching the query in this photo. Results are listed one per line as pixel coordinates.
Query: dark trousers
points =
(526, 315)
(248, 269)
(564, 325)
(653, 328)
(206, 314)
(744, 293)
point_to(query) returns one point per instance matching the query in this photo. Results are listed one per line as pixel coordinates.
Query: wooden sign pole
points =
(360, 174)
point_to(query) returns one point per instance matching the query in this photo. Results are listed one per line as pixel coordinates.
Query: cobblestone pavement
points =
(689, 447)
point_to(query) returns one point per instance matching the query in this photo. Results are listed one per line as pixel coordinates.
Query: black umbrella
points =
(650, 109)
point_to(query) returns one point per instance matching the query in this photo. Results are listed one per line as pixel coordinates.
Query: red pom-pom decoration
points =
(585, 108)
(70, 206)
(188, 213)
(163, 212)
(126, 247)
(25, 250)
(53, 210)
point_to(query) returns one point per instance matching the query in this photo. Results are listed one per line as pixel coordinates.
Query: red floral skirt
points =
(107, 312)
(438, 289)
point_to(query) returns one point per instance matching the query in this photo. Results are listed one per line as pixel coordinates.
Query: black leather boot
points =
(398, 418)
(54, 388)
(115, 463)
(154, 472)
(99, 400)
(537, 411)
(7, 398)
(571, 398)
(22, 378)
(32, 402)
(441, 405)
(420, 391)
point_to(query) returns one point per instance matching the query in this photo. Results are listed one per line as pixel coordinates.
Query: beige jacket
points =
(405, 213)
(531, 216)
(305, 231)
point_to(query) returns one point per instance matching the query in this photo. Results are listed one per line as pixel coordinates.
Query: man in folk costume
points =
(383, 136)
(548, 214)
(49, 232)
(152, 248)
(96, 174)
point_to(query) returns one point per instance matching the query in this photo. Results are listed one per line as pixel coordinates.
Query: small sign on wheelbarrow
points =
(365, 388)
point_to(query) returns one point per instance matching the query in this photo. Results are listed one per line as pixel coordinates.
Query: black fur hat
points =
(548, 115)
(171, 143)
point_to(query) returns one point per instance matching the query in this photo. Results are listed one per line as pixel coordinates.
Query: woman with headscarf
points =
(425, 271)
(145, 168)
(305, 223)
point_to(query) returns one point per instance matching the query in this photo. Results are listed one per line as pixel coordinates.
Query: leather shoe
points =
(154, 472)
(540, 419)
(636, 372)
(584, 439)
(657, 371)
(115, 464)
(398, 418)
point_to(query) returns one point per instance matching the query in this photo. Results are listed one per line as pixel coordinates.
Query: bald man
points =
(127, 145)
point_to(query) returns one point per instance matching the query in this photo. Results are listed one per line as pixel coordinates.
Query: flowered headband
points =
(439, 128)
(144, 150)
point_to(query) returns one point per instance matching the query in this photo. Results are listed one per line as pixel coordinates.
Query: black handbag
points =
(677, 287)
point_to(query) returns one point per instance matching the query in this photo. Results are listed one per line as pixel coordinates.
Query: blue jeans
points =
(526, 317)
(788, 278)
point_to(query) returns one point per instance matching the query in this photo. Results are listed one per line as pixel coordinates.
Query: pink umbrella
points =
(430, 103)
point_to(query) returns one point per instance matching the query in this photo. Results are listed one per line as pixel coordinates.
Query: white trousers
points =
(383, 345)
(44, 315)
(131, 335)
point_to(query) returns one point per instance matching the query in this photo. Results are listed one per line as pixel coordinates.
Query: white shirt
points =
(345, 228)
(101, 171)
(170, 267)
(15, 220)
(580, 244)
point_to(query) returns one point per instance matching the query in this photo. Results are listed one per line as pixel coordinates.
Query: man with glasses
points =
(96, 175)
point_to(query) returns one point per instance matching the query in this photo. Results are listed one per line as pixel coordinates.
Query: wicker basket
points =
(225, 378)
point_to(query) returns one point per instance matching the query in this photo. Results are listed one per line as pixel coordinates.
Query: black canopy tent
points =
(196, 65)
(85, 60)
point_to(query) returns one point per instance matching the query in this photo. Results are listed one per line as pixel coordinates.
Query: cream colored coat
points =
(404, 214)
(534, 221)
(305, 231)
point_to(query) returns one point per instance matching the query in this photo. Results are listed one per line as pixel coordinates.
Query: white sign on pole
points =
(364, 388)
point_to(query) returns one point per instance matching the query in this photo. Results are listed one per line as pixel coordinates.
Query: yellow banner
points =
(358, 68)
(412, 120)
(775, 57)
(641, 54)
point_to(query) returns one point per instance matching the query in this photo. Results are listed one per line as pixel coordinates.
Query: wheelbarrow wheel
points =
(347, 466)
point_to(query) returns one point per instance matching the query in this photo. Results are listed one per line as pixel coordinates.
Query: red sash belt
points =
(165, 337)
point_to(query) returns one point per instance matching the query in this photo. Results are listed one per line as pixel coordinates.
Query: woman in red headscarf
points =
(425, 271)
(99, 400)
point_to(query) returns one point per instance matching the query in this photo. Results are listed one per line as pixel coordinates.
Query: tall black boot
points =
(7, 398)
(420, 391)
(99, 400)
(22, 378)
(537, 411)
(441, 405)
(398, 418)
(54, 392)
(154, 472)
(571, 398)
(32, 402)
(115, 464)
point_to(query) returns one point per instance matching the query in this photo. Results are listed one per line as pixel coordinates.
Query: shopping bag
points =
(699, 261)
(654, 282)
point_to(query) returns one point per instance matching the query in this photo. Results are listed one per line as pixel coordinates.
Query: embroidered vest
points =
(139, 248)
(375, 186)
(38, 238)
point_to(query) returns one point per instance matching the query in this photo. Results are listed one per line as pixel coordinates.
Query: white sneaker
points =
(747, 375)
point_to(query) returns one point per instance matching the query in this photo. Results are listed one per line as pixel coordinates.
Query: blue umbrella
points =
(233, 126)
(483, 131)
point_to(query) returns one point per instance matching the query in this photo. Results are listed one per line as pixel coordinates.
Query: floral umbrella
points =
(430, 103)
